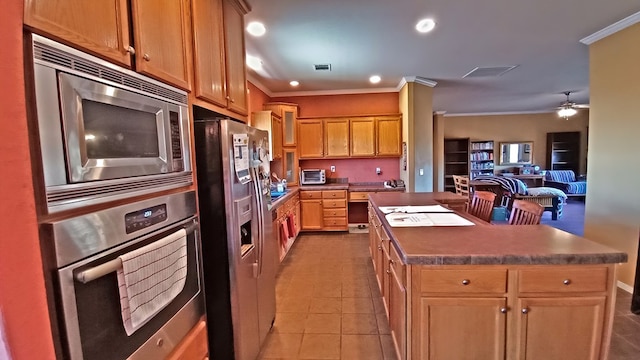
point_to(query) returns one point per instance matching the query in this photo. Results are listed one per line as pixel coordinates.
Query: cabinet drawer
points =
(464, 281)
(334, 194)
(335, 221)
(330, 203)
(358, 196)
(310, 195)
(563, 280)
(337, 212)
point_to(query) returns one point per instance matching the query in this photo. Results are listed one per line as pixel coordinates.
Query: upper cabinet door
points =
(336, 134)
(363, 132)
(389, 136)
(99, 26)
(208, 51)
(311, 139)
(234, 47)
(289, 114)
(162, 39)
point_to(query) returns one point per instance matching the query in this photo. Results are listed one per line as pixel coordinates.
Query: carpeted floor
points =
(572, 219)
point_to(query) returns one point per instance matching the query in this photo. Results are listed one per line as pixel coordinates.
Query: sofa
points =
(566, 181)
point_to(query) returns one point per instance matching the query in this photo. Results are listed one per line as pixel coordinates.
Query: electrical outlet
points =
(378, 171)
(333, 168)
(421, 172)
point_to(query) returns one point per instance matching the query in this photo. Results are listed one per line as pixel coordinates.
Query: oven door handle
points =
(101, 270)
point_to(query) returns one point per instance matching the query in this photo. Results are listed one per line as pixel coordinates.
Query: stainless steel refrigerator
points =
(239, 249)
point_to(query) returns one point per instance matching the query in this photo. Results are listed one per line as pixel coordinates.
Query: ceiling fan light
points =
(567, 111)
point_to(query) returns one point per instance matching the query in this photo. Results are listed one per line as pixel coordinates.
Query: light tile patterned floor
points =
(329, 306)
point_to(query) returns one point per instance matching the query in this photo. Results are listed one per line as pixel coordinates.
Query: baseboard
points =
(625, 287)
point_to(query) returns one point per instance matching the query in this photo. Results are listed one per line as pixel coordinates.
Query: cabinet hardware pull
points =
(146, 57)
(503, 310)
(379, 248)
(391, 262)
(466, 282)
(131, 50)
(388, 271)
(525, 310)
(567, 282)
(233, 100)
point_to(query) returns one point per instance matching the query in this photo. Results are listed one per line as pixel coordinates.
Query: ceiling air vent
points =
(489, 71)
(322, 67)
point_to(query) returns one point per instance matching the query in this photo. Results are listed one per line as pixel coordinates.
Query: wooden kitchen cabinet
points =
(100, 27)
(161, 32)
(290, 170)
(271, 123)
(193, 346)
(218, 54)
(310, 135)
(389, 136)
(289, 114)
(334, 207)
(462, 328)
(336, 138)
(311, 213)
(235, 56)
(289, 211)
(363, 137)
(568, 328)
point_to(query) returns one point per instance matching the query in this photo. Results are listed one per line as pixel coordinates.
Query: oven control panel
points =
(144, 218)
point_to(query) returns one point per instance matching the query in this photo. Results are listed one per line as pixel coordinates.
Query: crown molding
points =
(415, 79)
(333, 92)
(254, 80)
(500, 113)
(612, 29)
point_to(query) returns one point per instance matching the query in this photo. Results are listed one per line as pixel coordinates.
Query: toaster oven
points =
(312, 176)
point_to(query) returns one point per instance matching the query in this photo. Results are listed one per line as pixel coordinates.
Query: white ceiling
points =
(360, 38)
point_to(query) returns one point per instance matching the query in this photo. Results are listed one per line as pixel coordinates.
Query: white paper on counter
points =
(430, 219)
(412, 209)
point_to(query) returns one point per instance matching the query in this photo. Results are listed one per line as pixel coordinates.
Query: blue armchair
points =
(566, 181)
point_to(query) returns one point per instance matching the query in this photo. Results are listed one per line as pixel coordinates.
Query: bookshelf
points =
(481, 158)
(563, 151)
(456, 160)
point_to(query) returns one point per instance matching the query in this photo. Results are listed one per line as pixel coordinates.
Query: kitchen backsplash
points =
(357, 170)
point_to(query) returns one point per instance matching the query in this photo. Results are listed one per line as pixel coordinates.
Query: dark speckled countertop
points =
(485, 244)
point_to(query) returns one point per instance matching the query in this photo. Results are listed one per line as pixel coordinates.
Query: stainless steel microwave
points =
(312, 176)
(105, 132)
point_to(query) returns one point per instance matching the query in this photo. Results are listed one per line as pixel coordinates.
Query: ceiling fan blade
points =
(581, 106)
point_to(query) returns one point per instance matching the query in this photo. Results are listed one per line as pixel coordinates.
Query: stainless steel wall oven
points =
(89, 251)
(105, 132)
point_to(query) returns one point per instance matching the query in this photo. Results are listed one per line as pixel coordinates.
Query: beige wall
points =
(612, 214)
(404, 99)
(526, 127)
(416, 106)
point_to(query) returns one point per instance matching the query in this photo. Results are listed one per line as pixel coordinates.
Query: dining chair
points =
(525, 213)
(482, 205)
(461, 184)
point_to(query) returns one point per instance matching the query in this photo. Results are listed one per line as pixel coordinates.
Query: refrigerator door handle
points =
(258, 202)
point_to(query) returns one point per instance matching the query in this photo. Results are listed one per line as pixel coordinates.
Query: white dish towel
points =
(150, 278)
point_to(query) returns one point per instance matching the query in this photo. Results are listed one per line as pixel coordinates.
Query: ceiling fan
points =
(569, 108)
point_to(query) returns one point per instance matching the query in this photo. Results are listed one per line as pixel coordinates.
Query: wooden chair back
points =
(461, 184)
(482, 205)
(525, 213)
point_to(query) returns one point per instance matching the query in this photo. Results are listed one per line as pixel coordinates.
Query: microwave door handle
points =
(101, 270)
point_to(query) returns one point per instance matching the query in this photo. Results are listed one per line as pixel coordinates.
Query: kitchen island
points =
(491, 291)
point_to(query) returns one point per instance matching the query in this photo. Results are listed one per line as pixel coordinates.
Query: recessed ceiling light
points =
(294, 83)
(256, 28)
(254, 62)
(375, 79)
(425, 25)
